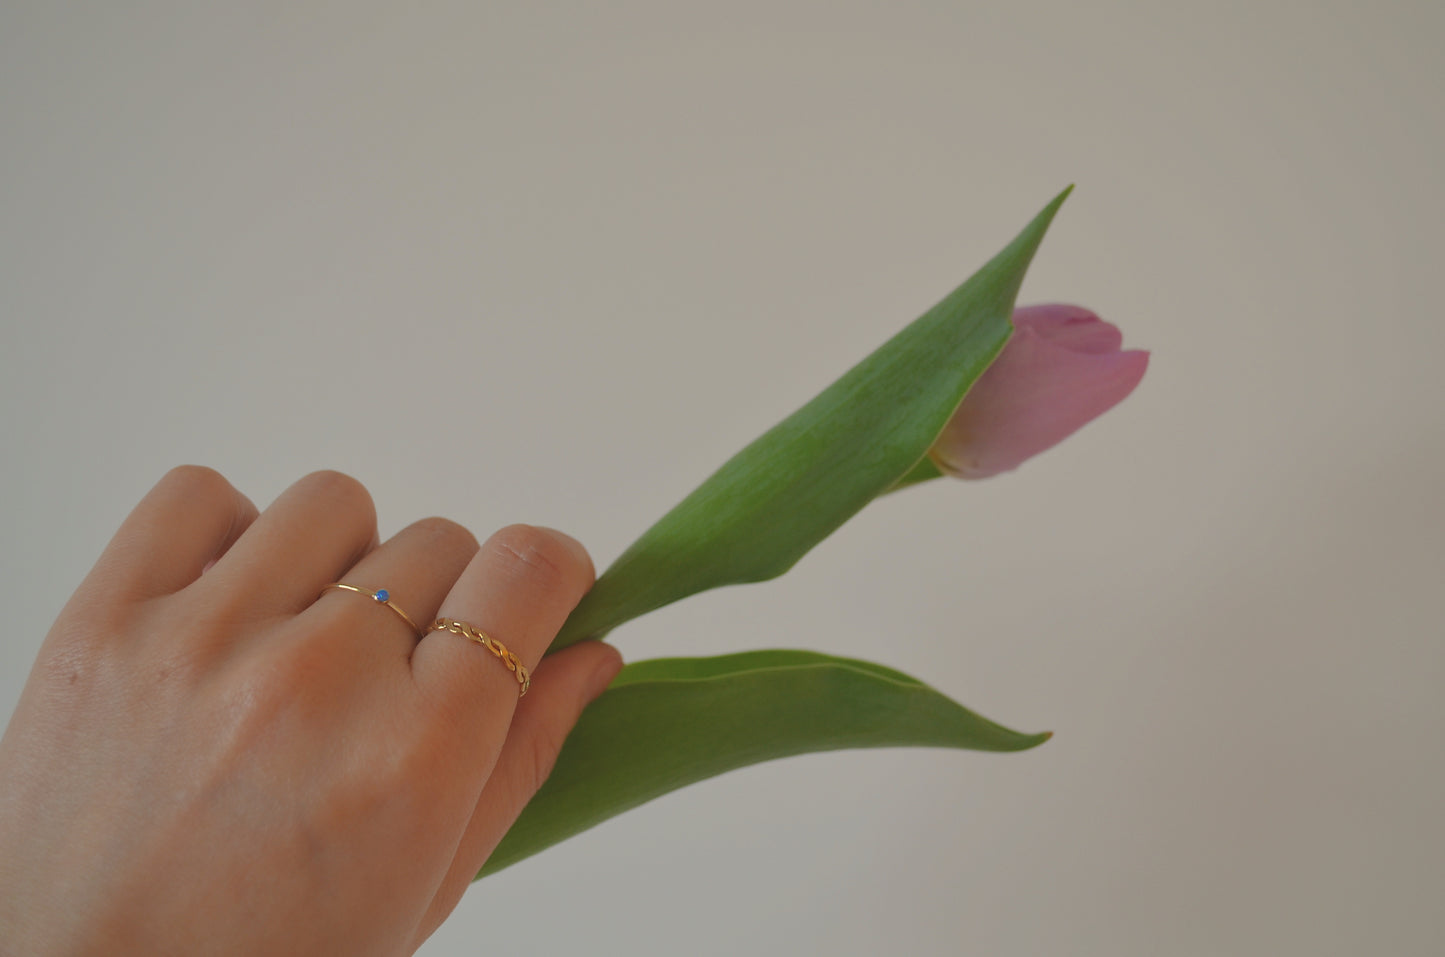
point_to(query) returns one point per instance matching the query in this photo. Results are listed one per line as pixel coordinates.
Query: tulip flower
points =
(961, 386)
(1062, 368)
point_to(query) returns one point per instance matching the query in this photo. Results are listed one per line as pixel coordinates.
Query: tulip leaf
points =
(668, 722)
(802, 479)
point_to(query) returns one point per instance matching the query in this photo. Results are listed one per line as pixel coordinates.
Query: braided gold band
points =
(472, 633)
(382, 597)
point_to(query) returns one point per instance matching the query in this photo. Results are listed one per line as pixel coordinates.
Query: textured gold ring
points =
(382, 597)
(473, 633)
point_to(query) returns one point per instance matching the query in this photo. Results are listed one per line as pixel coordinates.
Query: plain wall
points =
(555, 262)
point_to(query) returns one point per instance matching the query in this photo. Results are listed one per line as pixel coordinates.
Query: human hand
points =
(225, 759)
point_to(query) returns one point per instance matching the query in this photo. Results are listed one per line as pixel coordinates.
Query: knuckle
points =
(342, 489)
(198, 481)
(274, 695)
(542, 553)
(370, 796)
(276, 682)
(444, 531)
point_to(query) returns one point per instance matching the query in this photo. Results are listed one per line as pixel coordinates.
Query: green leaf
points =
(794, 485)
(668, 722)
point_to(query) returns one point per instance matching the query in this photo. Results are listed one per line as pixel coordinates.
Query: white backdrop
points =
(555, 262)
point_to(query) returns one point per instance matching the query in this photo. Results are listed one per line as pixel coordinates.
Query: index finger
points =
(191, 517)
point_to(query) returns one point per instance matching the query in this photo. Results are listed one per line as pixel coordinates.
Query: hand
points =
(226, 759)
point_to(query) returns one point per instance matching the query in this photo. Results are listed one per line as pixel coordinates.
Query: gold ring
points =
(382, 597)
(473, 633)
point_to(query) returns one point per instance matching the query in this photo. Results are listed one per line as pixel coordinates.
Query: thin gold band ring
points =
(382, 597)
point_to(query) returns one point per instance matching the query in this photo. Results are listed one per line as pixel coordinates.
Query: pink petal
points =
(1061, 369)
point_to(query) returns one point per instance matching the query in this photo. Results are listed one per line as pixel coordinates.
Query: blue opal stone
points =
(382, 595)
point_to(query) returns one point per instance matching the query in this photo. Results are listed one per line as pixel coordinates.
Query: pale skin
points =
(224, 759)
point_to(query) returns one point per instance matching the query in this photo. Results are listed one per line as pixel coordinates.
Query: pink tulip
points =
(1062, 368)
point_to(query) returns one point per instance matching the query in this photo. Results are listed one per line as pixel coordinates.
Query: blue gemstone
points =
(382, 595)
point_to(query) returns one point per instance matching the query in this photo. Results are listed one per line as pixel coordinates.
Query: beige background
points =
(553, 263)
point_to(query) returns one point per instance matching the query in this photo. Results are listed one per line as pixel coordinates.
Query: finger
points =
(316, 530)
(565, 684)
(518, 590)
(416, 567)
(191, 516)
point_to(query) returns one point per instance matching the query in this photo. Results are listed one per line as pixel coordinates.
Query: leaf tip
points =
(1046, 215)
(1034, 740)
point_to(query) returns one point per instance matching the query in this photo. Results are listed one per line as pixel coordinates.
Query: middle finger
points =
(415, 568)
(312, 533)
